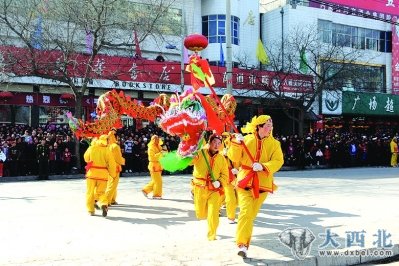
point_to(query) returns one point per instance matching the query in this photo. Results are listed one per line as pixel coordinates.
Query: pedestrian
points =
(13, 158)
(112, 185)
(67, 158)
(154, 166)
(2, 160)
(394, 151)
(319, 157)
(43, 157)
(52, 156)
(128, 153)
(210, 175)
(255, 177)
(100, 165)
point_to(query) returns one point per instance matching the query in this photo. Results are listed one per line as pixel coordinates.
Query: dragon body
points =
(187, 116)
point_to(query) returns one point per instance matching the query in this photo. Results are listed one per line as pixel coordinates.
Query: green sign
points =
(361, 103)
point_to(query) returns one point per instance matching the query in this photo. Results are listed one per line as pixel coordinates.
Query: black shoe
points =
(105, 210)
(114, 203)
(96, 206)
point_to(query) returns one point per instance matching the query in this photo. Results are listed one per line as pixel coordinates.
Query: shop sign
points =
(379, 9)
(332, 102)
(144, 74)
(27, 99)
(370, 103)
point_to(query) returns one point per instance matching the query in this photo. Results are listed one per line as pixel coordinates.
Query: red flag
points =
(136, 42)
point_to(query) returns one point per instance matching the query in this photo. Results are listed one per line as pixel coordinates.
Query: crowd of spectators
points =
(19, 144)
(327, 148)
(336, 148)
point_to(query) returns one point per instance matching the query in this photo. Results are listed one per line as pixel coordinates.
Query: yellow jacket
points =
(115, 151)
(217, 164)
(394, 146)
(100, 162)
(269, 155)
(154, 154)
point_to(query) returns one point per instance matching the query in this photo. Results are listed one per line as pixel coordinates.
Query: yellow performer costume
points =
(230, 196)
(155, 168)
(116, 152)
(100, 166)
(394, 152)
(207, 193)
(255, 178)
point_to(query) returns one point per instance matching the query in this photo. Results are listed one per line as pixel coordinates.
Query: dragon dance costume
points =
(209, 166)
(116, 152)
(155, 168)
(100, 166)
(253, 186)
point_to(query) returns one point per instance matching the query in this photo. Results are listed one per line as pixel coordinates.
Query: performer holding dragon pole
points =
(100, 166)
(154, 166)
(210, 175)
(116, 152)
(255, 177)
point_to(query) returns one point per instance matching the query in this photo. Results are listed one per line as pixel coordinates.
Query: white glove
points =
(225, 151)
(257, 167)
(216, 184)
(234, 171)
(239, 138)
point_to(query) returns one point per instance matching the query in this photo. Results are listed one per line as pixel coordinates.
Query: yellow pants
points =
(95, 188)
(155, 185)
(112, 187)
(249, 208)
(394, 159)
(207, 206)
(231, 201)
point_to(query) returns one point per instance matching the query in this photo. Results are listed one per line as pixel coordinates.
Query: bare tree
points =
(61, 40)
(306, 58)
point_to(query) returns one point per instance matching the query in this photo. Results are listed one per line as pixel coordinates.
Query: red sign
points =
(367, 7)
(131, 70)
(395, 59)
(43, 99)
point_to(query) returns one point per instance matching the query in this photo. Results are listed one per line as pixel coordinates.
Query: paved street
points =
(46, 223)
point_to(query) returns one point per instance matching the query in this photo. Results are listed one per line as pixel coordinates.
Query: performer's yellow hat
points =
(250, 127)
(103, 140)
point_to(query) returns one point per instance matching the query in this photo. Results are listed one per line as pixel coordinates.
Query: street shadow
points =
(281, 217)
(355, 173)
(22, 198)
(166, 215)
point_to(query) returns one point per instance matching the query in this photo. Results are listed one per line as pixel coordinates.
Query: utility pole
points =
(229, 64)
(182, 48)
(282, 38)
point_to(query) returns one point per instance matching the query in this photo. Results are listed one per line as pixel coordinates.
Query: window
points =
(359, 77)
(214, 28)
(354, 37)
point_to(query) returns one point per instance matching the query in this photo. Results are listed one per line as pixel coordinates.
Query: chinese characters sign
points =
(370, 103)
(382, 9)
(129, 73)
(26, 98)
(395, 59)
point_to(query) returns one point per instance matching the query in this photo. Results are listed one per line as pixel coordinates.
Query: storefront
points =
(360, 112)
(140, 79)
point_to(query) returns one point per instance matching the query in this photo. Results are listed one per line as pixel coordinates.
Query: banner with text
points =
(370, 104)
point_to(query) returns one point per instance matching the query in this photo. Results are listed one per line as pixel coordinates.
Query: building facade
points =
(36, 100)
(368, 96)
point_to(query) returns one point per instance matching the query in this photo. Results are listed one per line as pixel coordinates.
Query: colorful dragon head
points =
(187, 120)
